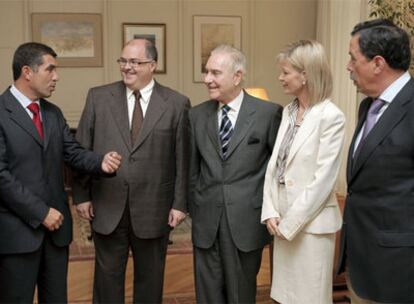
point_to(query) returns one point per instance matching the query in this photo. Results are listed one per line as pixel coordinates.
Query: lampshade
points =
(257, 92)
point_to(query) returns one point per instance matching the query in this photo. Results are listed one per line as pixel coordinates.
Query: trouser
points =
(223, 273)
(111, 259)
(47, 267)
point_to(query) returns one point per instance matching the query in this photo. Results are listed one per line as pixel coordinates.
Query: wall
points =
(267, 25)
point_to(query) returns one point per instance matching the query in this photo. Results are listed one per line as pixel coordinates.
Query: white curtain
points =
(335, 20)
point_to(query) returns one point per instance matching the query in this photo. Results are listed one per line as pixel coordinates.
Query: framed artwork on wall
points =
(209, 32)
(76, 38)
(156, 33)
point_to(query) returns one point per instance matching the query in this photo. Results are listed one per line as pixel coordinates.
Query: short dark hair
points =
(381, 37)
(151, 50)
(30, 54)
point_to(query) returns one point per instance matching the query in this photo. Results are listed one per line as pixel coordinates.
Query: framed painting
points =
(76, 38)
(154, 32)
(209, 32)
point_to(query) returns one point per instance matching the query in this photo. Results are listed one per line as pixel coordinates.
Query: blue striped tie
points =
(226, 130)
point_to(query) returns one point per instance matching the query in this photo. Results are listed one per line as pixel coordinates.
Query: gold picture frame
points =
(209, 32)
(76, 38)
(156, 33)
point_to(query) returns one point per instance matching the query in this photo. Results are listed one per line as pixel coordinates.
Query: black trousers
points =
(223, 273)
(111, 258)
(47, 268)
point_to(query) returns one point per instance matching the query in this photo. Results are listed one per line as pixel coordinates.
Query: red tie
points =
(35, 109)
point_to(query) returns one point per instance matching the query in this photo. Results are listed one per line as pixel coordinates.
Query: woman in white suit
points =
(299, 203)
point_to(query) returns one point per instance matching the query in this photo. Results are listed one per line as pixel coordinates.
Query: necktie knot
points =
(137, 95)
(376, 106)
(34, 108)
(370, 122)
(225, 109)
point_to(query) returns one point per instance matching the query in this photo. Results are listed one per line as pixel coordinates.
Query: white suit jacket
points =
(311, 170)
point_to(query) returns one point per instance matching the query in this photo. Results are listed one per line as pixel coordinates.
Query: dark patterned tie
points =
(226, 130)
(35, 109)
(137, 118)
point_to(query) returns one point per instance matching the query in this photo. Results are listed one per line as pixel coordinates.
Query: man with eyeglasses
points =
(134, 210)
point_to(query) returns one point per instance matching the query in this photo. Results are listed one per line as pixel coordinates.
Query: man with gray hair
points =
(232, 137)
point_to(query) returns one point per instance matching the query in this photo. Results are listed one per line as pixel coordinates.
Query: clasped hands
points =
(54, 218)
(272, 225)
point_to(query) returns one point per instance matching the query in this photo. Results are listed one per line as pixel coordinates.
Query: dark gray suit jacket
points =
(378, 227)
(153, 173)
(235, 183)
(31, 174)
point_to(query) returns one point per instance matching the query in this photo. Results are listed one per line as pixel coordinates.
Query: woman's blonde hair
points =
(309, 57)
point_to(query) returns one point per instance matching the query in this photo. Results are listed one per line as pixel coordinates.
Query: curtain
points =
(335, 20)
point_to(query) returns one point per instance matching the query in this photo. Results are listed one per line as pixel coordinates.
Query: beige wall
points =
(267, 25)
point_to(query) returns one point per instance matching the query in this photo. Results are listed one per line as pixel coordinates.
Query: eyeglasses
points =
(132, 62)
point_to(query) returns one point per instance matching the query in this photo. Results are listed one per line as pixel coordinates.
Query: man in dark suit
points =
(137, 209)
(378, 228)
(35, 221)
(232, 138)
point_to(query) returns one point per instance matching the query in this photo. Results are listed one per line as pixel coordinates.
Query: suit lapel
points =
(47, 122)
(308, 126)
(212, 127)
(389, 119)
(21, 118)
(282, 129)
(119, 110)
(243, 123)
(361, 118)
(155, 110)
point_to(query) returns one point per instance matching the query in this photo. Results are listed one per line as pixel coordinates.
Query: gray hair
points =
(238, 59)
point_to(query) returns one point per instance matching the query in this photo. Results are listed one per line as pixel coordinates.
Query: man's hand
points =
(85, 210)
(175, 217)
(111, 162)
(53, 220)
